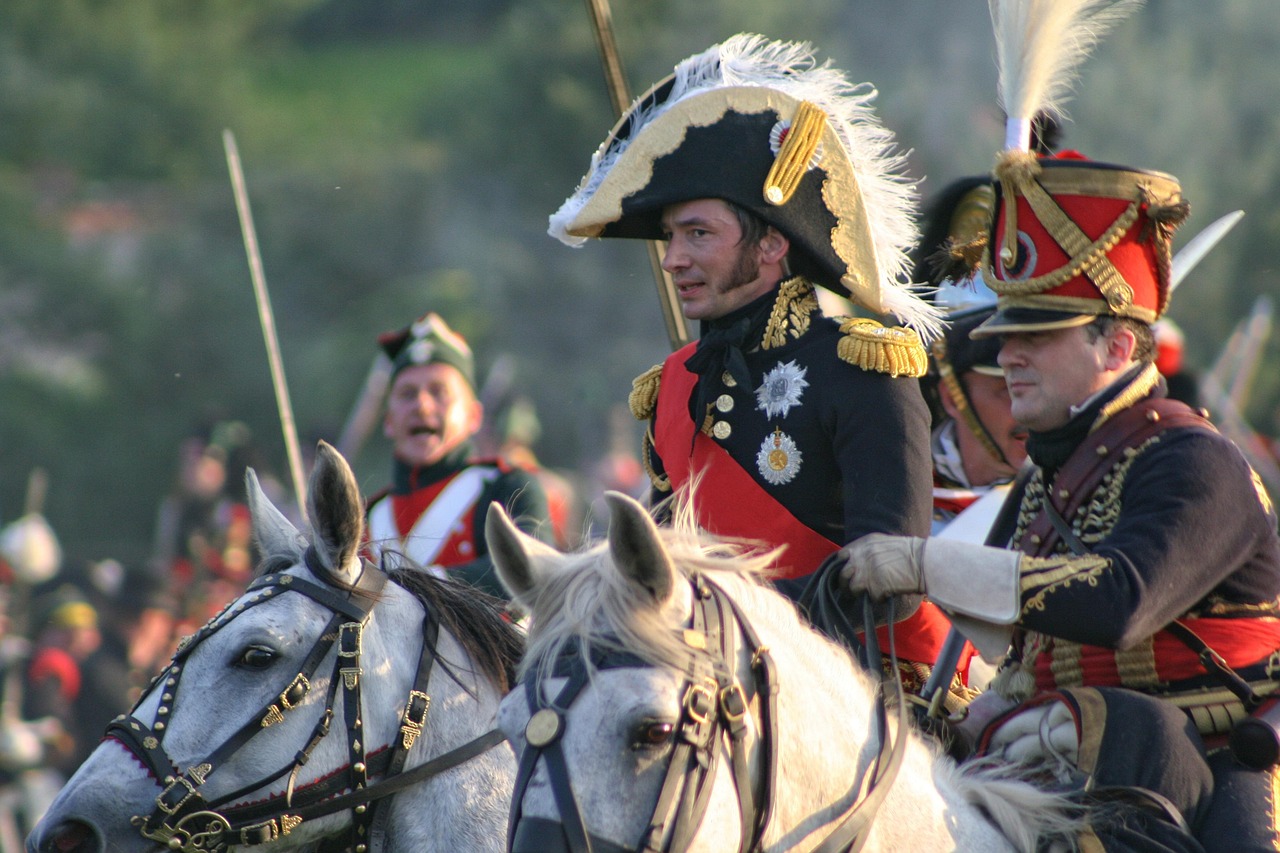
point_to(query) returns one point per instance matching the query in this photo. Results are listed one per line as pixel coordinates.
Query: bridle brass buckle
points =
(699, 700)
(350, 639)
(163, 805)
(411, 727)
(733, 703)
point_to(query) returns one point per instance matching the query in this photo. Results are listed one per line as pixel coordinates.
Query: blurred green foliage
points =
(403, 156)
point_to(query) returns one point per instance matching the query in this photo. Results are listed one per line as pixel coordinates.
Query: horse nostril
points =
(72, 836)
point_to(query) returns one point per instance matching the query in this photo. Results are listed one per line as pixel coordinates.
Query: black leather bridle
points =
(184, 820)
(714, 711)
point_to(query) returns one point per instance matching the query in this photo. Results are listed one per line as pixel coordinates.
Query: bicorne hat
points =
(763, 125)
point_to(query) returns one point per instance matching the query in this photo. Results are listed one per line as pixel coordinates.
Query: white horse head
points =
(623, 674)
(324, 685)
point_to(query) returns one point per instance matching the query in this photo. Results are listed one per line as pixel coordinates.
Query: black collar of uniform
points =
(721, 349)
(1051, 449)
(408, 478)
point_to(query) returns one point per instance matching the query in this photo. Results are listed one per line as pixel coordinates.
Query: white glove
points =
(1045, 733)
(884, 565)
(979, 585)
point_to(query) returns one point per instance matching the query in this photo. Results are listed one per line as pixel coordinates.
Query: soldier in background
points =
(434, 510)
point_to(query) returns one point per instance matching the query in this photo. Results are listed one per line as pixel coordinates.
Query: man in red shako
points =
(767, 175)
(433, 512)
(1138, 598)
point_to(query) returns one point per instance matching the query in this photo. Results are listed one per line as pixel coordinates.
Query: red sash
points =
(1241, 642)
(730, 502)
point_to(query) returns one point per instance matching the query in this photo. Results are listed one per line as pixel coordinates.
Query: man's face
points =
(989, 397)
(431, 410)
(1048, 372)
(713, 271)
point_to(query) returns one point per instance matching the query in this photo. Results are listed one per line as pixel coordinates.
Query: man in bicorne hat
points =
(767, 176)
(1141, 590)
(433, 511)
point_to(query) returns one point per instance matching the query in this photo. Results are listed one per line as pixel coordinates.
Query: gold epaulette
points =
(644, 393)
(894, 350)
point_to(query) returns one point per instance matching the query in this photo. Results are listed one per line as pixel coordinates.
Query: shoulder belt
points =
(1098, 454)
(432, 529)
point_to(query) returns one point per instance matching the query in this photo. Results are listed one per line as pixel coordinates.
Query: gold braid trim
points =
(792, 308)
(1163, 218)
(661, 482)
(952, 385)
(1089, 260)
(1216, 606)
(1140, 387)
(1017, 172)
(895, 350)
(1049, 574)
(643, 398)
(1014, 170)
(796, 154)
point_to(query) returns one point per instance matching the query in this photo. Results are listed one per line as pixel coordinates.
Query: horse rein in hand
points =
(184, 820)
(714, 707)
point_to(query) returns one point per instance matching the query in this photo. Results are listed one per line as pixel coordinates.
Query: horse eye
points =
(256, 657)
(653, 734)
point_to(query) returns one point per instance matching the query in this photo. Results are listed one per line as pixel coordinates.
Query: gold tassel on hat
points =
(1016, 171)
(796, 154)
(894, 350)
(643, 399)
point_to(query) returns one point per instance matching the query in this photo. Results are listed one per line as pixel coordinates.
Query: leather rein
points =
(184, 820)
(714, 710)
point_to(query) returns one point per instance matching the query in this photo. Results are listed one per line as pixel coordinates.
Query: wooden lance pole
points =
(267, 320)
(616, 81)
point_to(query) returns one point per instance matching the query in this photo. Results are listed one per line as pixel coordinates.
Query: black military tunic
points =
(808, 438)
(1171, 524)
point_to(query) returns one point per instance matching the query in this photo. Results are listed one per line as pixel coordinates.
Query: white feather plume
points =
(1040, 45)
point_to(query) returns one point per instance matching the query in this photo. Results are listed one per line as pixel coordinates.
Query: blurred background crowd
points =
(403, 156)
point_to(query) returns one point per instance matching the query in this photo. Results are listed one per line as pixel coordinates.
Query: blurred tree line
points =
(403, 156)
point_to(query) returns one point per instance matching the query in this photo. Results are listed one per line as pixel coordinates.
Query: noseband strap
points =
(185, 820)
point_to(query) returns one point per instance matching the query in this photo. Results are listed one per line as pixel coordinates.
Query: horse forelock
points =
(586, 600)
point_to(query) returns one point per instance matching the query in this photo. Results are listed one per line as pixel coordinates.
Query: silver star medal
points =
(778, 459)
(781, 389)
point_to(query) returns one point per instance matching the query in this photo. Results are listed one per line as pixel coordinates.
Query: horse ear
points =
(637, 547)
(336, 512)
(514, 552)
(274, 534)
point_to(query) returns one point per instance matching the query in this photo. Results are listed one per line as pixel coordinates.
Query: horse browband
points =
(185, 821)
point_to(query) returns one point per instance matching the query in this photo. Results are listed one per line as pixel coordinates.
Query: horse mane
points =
(583, 600)
(475, 619)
